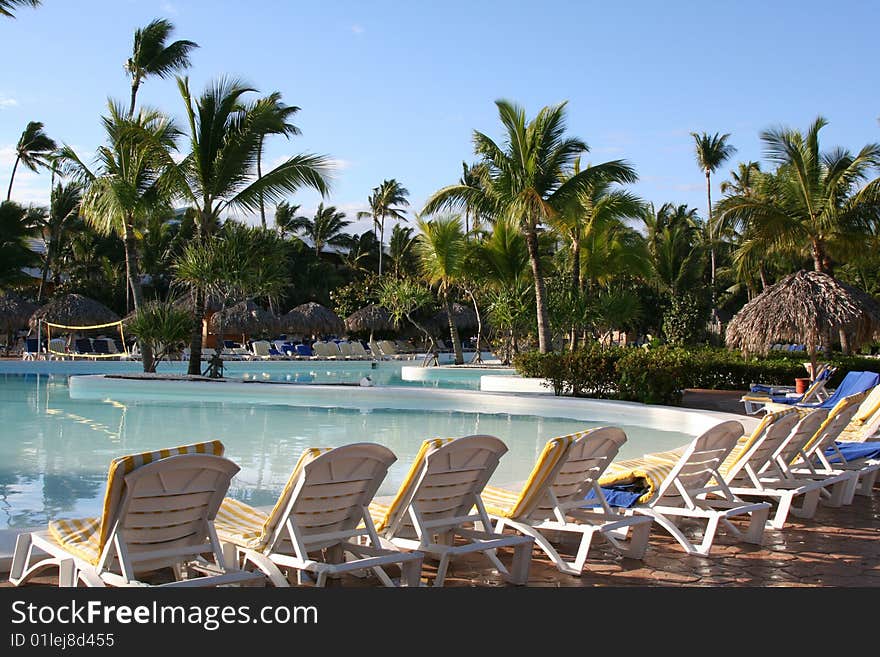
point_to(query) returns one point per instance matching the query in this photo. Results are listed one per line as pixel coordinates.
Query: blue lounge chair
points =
(82, 346)
(304, 350)
(853, 383)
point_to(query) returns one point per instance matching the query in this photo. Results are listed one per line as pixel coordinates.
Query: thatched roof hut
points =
(74, 310)
(319, 319)
(246, 318)
(808, 308)
(369, 318)
(187, 302)
(293, 323)
(15, 311)
(464, 317)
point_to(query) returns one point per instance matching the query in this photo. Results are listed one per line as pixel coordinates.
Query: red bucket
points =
(801, 385)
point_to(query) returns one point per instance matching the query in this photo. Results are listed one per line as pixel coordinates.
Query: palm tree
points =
(742, 181)
(400, 249)
(712, 151)
(16, 227)
(441, 249)
(6, 6)
(325, 229)
(63, 212)
(285, 218)
(471, 176)
(527, 178)
(361, 251)
(151, 56)
(33, 150)
(383, 204)
(673, 243)
(224, 141)
(815, 204)
(134, 179)
(279, 112)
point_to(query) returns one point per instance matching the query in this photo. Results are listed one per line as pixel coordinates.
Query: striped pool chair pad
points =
(386, 512)
(509, 503)
(651, 469)
(251, 528)
(852, 428)
(859, 428)
(85, 537)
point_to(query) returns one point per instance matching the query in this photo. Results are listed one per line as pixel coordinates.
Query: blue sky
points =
(395, 89)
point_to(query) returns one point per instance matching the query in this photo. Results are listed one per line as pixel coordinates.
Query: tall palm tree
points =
(285, 218)
(400, 249)
(673, 242)
(441, 248)
(63, 212)
(33, 150)
(152, 55)
(471, 175)
(16, 228)
(711, 151)
(815, 205)
(742, 181)
(386, 200)
(134, 179)
(224, 140)
(527, 178)
(6, 6)
(326, 228)
(279, 125)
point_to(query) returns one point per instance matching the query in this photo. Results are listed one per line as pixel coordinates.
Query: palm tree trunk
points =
(763, 276)
(540, 294)
(259, 176)
(12, 178)
(844, 342)
(453, 330)
(818, 255)
(134, 90)
(44, 274)
(381, 241)
(137, 293)
(711, 246)
(195, 341)
(478, 355)
(575, 284)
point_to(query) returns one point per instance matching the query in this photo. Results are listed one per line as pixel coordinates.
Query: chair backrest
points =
(838, 419)
(443, 485)
(757, 453)
(345, 348)
(357, 348)
(853, 383)
(376, 349)
(99, 346)
(326, 495)
(566, 471)
(31, 345)
(304, 350)
(82, 345)
(387, 347)
(698, 465)
(260, 347)
(57, 344)
(170, 504)
(122, 466)
(866, 420)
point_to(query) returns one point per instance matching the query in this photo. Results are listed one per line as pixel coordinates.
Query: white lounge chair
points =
(322, 509)
(357, 350)
(439, 500)
(159, 511)
(261, 349)
(326, 350)
(694, 488)
(552, 499)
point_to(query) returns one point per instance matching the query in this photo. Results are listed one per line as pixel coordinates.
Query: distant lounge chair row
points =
(167, 508)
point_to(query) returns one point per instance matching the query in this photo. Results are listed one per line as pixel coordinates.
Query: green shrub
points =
(655, 376)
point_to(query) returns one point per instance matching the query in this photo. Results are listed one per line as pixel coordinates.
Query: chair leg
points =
(807, 508)
(411, 573)
(67, 573)
(583, 549)
(757, 523)
(866, 483)
(20, 558)
(709, 535)
(522, 564)
(441, 570)
(676, 533)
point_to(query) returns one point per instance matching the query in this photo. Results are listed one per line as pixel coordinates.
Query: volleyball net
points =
(91, 341)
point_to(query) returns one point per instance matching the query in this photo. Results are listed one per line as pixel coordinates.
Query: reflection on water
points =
(55, 451)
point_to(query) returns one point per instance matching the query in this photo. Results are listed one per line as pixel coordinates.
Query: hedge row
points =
(660, 375)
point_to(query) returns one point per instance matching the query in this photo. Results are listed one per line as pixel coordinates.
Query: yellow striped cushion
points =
(86, 537)
(80, 537)
(869, 407)
(510, 504)
(239, 523)
(843, 404)
(650, 471)
(745, 443)
(387, 512)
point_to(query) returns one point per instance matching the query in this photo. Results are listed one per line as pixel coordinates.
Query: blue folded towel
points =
(619, 495)
(854, 451)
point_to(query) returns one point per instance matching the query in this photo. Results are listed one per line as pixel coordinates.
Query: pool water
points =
(55, 451)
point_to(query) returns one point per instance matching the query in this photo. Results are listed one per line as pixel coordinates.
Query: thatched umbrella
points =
(319, 319)
(244, 318)
(14, 314)
(75, 310)
(293, 322)
(807, 307)
(369, 318)
(464, 317)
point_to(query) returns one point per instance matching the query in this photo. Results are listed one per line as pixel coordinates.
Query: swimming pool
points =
(55, 450)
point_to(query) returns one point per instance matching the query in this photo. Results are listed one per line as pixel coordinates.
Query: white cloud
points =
(7, 102)
(7, 156)
(339, 164)
(169, 8)
(357, 29)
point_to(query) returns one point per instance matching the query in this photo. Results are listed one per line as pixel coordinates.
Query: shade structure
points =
(187, 302)
(15, 311)
(74, 310)
(369, 319)
(464, 317)
(245, 318)
(293, 323)
(319, 319)
(808, 308)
